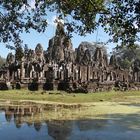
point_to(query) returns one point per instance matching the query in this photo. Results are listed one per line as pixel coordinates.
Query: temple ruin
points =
(85, 69)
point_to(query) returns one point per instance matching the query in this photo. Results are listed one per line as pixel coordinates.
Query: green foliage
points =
(119, 18)
(123, 21)
(2, 61)
(125, 63)
(18, 16)
(82, 14)
(126, 56)
(19, 54)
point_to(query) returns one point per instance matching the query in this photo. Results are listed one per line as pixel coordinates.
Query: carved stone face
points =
(67, 43)
(112, 60)
(60, 29)
(39, 50)
(31, 55)
(10, 58)
(137, 65)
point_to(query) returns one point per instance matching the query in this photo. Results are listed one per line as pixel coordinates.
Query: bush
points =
(33, 86)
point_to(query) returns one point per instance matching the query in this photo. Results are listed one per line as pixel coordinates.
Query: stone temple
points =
(60, 67)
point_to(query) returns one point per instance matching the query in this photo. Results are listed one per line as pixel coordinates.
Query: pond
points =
(33, 123)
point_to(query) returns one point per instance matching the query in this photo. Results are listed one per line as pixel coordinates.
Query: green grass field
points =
(58, 96)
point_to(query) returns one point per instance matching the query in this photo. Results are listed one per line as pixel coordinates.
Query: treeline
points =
(126, 56)
(2, 61)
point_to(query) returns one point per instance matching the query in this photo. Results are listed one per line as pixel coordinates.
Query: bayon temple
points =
(84, 69)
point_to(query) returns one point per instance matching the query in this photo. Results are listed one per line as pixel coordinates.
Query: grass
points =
(57, 96)
(98, 105)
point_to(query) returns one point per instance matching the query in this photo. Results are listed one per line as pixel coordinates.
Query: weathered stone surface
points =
(60, 47)
(100, 57)
(91, 54)
(136, 65)
(113, 60)
(39, 52)
(85, 53)
(10, 58)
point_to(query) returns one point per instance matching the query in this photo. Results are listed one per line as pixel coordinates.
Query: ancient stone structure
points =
(60, 67)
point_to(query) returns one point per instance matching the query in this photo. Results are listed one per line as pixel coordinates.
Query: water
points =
(31, 123)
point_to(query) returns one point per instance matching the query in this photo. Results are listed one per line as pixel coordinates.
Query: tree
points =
(19, 53)
(127, 56)
(2, 61)
(119, 18)
(123, 21)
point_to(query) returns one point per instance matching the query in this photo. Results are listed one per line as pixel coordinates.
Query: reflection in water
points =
(27, 122)
(60, 130)
(20, 115)
(85, 125)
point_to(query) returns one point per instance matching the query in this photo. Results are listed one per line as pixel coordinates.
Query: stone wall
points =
(85, 69)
